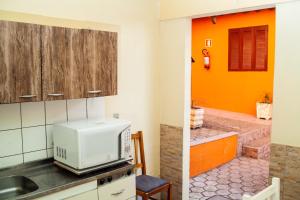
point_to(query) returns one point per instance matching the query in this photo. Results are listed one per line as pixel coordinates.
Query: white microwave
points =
(85, 144)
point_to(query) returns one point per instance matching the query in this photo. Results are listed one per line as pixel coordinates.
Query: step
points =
(258, 149)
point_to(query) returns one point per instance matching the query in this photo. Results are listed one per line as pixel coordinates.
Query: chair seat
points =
(147, 183)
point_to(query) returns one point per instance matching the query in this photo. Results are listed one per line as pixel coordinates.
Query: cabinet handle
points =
(94, 91)
(27, 96)
(118, 193)
(55, 95)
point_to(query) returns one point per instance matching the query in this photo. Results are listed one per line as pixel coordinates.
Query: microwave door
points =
(99, 148)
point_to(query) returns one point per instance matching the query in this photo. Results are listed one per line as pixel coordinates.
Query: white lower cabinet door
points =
(85, 191)
(121, 189)
(91, 195)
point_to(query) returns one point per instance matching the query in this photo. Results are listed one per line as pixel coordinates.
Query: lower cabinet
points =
(91, 195)
(121, 189)
(75, 193)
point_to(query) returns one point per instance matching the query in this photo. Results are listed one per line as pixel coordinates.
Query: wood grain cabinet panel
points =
(51, 63)
(63, 64)
(55, 69)
(76, 64)
(100, 54)
(20, 62)
(106, 58)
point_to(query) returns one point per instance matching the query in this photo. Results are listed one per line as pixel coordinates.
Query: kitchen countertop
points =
(51, 178)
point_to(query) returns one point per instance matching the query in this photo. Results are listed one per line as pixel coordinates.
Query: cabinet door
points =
(76, 64)
(100, 52)
(121, 189)
(55, 48)
(63, 64)
(91, 195)
(20, 62)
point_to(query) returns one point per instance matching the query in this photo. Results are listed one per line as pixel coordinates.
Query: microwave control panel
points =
(115, 176)
(126, 143)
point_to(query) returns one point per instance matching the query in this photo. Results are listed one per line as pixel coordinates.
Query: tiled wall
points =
(25, 128)
(285, 164)
(248, 127)
(171, 159)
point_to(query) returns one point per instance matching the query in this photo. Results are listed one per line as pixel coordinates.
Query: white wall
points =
(137, 98)
(172, 47)
(179, 8)
(286, 113)
(175, 84)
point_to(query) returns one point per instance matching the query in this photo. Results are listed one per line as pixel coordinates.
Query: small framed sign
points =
(208, 42)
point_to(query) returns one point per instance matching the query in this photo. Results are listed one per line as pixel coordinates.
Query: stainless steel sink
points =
(13, 186)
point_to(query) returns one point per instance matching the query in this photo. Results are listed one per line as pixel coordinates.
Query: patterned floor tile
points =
(235, 196)
(197, 189)
(232, 180)
(218, 198)
(223, 192)
(195, 195)
(208, 194)
(210, 188)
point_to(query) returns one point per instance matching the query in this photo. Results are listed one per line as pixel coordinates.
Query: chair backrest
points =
(139, 151)
(270, 193)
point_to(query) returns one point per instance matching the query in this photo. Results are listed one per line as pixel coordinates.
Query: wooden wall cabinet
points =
(51, 63)
(85, 59)
(20, 62)
(54, 63)
(62, 63)
(99, 77)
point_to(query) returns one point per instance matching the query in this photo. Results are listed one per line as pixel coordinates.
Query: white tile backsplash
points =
(49, 136)
(36, 155)
(10, 117)
(32, 139)
(10, 142)
(11, 161)
(33, 114)
(50, 153)
(76, 109)
(95, 108)
(56, 111)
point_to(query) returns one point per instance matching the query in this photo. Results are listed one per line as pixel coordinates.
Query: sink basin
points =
(13, 186)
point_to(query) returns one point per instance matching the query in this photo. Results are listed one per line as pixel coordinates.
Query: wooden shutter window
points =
(234, 49)
(261, 48)
(248, 49)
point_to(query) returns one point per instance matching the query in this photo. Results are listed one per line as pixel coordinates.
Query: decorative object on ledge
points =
(197, 115)
(264, 108)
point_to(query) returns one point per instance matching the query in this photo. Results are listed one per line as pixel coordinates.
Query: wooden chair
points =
(147, 186)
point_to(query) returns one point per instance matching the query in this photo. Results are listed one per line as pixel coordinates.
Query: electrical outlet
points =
(116, 115)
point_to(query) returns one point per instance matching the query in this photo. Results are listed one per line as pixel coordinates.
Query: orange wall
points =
(207, 156)
(218, 88)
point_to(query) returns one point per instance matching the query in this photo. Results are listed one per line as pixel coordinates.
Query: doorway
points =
(232, 83)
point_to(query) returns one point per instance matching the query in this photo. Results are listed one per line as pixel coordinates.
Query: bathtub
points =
(211, 148)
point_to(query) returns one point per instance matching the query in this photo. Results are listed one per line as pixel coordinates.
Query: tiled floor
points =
(232, 180)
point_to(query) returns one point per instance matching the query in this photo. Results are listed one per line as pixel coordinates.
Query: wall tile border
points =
(171, 158)
(285, 164)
